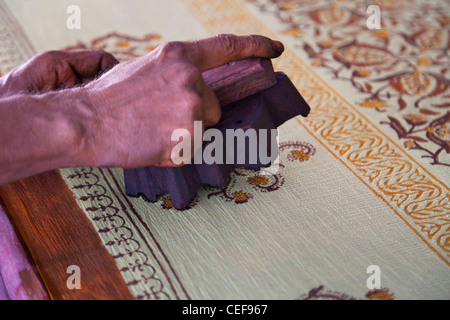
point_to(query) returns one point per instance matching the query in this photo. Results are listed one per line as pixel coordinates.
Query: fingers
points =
(89, 64)
(211, 113)
(167, 163)
(65, 69)
(53, 70)
(213, 52)
(211, 107)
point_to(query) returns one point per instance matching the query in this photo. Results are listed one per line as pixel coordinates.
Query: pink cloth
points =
(3, 293)
(19, 279)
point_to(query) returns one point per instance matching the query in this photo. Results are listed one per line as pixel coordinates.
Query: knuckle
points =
(47, 56)
(173, 48)
(253, 42)
(107, 59)
(89, 53)
(99, 53)
(51, 62)
(229, 43)
(60, 65)
(110, 57)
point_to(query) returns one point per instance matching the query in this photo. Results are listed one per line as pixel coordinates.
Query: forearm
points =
(40, 133)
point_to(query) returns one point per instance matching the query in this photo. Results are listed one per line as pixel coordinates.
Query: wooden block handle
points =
(237, 80)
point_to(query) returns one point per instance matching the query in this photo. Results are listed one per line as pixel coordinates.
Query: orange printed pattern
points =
(122, 47)
(420, 199)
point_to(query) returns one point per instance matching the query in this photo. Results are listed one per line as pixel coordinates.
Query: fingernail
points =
(278, 47)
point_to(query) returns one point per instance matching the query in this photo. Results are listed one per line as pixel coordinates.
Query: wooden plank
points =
(58, 234)
(237, 80)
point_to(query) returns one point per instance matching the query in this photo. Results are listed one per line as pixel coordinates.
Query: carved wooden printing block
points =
(252, 96)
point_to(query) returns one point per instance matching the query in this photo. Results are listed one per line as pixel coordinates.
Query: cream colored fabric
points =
(350, 193)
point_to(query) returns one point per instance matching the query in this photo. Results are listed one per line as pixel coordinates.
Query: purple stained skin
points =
(267, 109)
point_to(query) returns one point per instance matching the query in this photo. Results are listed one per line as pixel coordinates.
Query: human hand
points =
(131, 112)
(55, 70)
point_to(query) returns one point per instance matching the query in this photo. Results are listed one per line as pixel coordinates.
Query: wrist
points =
(81, 124)
(68, 116)
(42, 132)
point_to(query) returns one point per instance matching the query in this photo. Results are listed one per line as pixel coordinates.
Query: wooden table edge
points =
(59, 235)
